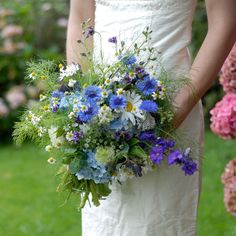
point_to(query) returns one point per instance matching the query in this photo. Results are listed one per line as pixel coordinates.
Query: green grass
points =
(29, 205)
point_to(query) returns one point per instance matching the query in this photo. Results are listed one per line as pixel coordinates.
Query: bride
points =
(164, 202)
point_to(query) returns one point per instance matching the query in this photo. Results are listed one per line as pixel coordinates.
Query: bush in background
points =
(28, 30)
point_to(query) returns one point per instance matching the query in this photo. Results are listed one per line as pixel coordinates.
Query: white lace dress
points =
(164, 202)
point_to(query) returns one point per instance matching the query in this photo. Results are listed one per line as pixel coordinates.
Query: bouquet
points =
(107, 123)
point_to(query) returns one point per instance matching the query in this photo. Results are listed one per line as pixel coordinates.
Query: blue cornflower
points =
(112, 40)
(117, 102)
(89, 113)
(147, 86)
(128, 60)
(175, 157)
(149, 106)
(157, 155)
(57, 94)
(147, 136)
(92, 93)
(189, 167)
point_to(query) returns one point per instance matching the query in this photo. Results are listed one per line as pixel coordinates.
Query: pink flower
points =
(223, 117)
(229, 180)
(228, 72)
(11, 31)
(16, 97)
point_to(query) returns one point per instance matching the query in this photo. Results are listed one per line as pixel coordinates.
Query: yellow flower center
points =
(129, 107)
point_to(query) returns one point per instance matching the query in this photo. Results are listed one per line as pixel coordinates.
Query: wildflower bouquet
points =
(108, 123)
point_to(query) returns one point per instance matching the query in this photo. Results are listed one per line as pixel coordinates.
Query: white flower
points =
(33, 118)
(108, 81)
(72, 83)
(41, 131)
(132, 109)
(51, 160)
(56, 141)
(120, 91)
(71, 115)
(147, 123)
(42, 97)
(69, 71)
(32, 76)
(48, 148)
(69, 136)
(105, 114)
(104, 94)
(117, 79)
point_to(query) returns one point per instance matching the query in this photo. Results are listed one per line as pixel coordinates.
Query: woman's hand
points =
(219, 41)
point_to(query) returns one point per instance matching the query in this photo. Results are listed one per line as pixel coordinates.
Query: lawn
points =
(29, 205)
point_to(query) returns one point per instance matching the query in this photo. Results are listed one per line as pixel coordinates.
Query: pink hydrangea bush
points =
(228, 178)
(223, 117)
(228, 72)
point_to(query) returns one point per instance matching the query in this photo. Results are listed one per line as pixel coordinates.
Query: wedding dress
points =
(163, 202)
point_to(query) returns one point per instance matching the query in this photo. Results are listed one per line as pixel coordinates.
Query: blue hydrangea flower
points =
(189, 167)
(118, 124)
(91, 111)
(92, 93)
(175, 157)
(147, 86)
(157, 155)
(117, 102)
(149, 106)
(64, 104)
(112, 40)
(93, 170)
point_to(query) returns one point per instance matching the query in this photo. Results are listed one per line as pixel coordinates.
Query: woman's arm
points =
(80, 10)
(212, 54)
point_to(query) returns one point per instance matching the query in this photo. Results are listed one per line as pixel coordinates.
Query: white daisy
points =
(132, 108)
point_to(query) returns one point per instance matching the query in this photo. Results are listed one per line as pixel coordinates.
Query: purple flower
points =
(117, 102)
(77, 135)
(147, 86)
(112, 40)
(93, 93)
(176, 157)
(156, 155)
(90, 32)
(149, 106)
(139, 70)
(147, 136)
(189, 167)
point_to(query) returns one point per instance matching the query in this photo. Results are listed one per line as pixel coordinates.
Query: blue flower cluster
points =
(165, 147)
(93, 170)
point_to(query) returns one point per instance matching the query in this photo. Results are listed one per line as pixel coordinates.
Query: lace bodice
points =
(170, 21)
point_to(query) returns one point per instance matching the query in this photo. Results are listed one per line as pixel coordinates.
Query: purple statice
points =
(113, 40)
(77, 135)
(117, 102)
(89, 113)
(147, 86)
(89, 32)
(92, 93)
(149, 106)
(166, 143)
(157, 154)
(189, 167)
(147, 136)
(55, 108)
(176, 157)
(122, 134)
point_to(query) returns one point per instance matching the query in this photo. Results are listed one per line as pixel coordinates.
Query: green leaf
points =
(133, 142)
(75, 165)
(137, 151)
